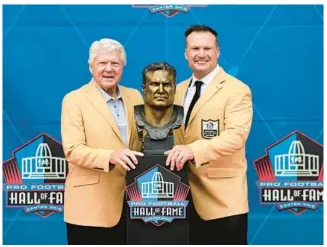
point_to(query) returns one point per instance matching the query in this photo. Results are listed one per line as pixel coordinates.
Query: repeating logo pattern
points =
(35, 176)
(291, 174)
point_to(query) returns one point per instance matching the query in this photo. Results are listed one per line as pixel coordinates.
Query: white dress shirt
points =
(191, 89)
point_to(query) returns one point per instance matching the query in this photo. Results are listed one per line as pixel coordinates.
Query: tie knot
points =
(198, 85)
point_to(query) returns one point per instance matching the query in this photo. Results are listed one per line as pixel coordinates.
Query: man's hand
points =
(126, 158)
(178, 156)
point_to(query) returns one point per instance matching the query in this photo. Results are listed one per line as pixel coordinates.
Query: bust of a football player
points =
(158, 116)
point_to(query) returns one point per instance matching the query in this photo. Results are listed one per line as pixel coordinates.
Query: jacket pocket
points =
(223, 172)
(85, 180)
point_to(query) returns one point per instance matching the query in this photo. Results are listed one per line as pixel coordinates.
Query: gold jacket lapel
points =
(213, 87)
(96, 99)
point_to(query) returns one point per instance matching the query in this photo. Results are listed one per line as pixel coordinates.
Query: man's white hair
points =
(107, 45)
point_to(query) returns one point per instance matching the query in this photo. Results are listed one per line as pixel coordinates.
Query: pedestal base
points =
(157, 205)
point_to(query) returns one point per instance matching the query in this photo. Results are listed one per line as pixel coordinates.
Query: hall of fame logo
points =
(209, 128)
(34, 177)
(157, 196)
(291, 174)
(169, 10)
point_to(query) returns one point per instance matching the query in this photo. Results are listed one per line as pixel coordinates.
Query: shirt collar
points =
(207, 79)
(107, 97)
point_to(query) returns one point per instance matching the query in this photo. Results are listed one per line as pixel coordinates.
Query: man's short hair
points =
(107, 45)
(200, 28)
(159, 66)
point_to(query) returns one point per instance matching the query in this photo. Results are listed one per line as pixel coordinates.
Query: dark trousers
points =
(88, 235)
(230, 230)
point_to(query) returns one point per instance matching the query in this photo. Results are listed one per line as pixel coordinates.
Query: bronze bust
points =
(159, 123)
(158, 116)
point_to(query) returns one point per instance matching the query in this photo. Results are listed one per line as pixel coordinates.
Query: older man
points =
(97, 128)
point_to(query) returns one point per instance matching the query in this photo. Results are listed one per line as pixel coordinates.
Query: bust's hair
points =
(159, 66)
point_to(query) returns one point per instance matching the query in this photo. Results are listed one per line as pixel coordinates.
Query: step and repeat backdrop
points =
(275, 49)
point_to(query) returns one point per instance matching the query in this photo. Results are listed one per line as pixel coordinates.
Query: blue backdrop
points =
(276, 50)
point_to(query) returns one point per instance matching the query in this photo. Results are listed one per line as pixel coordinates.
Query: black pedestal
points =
(157, 205)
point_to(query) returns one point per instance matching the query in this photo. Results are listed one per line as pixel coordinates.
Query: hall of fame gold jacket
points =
(94, 194)
(217, 131)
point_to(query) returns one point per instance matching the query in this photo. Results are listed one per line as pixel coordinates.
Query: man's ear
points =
(90, 68)
(218, 52)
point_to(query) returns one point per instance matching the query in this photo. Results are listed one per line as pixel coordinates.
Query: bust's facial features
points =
(159, 89)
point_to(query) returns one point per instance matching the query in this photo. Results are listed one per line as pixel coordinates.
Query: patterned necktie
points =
(196, 96)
